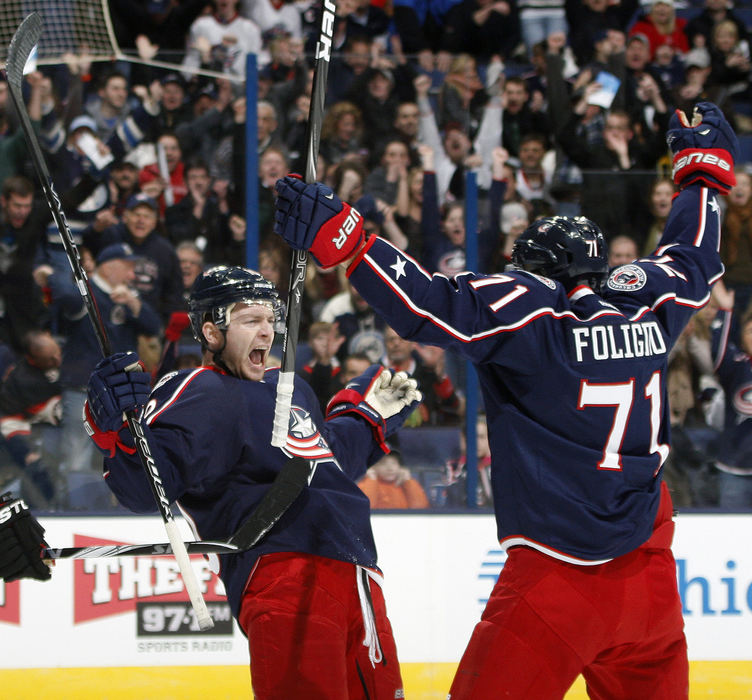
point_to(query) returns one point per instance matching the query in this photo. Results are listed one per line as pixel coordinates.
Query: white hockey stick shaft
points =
(299, 257)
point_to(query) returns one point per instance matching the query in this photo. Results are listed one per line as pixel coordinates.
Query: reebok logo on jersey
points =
(348, 226)
(627, 278)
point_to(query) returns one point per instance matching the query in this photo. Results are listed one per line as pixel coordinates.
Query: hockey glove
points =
(384, 399)
(311, 217)
(113, 390)
(21, 542)
(704, 149)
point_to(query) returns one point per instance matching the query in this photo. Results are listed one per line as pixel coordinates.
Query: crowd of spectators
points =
(556, 107)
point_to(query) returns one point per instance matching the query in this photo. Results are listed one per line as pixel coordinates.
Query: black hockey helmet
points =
(567, 249)
(215, 292)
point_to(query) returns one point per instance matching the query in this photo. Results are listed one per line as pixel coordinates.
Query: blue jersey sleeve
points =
(477, 315)
(191, 453)
(675, 281)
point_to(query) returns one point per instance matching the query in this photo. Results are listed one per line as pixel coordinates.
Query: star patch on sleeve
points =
(399, 268)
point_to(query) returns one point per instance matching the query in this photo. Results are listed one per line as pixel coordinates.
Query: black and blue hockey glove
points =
(384, 399)
(704, 148)
(117, 385)
(311, 217)
(21, 542)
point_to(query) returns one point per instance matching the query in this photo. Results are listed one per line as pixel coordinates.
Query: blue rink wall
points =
(122, 627)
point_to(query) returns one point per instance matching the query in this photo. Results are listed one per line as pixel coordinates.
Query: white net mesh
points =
(70, 26)
(76, 26)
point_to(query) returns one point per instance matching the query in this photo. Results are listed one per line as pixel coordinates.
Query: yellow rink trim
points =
(719, 680)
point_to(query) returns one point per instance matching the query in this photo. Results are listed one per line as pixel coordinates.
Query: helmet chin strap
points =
(217, 354)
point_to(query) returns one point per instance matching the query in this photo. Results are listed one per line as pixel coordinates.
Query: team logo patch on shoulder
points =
(544, 280)
(627, 278)
(165, 379)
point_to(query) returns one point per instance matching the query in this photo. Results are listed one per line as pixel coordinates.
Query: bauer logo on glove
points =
(704, 148)
(350, 224)
(311, 217)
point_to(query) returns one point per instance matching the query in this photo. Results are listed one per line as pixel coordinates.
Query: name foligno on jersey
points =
(619, 341)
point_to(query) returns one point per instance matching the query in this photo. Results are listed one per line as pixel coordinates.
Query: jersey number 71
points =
(621, 397)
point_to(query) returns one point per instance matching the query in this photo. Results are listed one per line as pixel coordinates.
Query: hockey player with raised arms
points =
(572, 362)
(308, 596)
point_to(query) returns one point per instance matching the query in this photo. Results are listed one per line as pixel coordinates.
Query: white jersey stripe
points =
(459, 335)
(702, 217)
(518, 540)
(176, 393)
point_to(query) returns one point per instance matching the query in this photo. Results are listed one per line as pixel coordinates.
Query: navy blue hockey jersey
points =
(210, 434)
(574, 384)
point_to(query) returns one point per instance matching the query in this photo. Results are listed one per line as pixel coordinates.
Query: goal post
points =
(76, 27)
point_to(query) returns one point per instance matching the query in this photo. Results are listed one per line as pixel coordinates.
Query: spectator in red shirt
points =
(168, 191)
(661, 26)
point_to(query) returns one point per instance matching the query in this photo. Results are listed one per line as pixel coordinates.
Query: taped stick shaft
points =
(299, 257)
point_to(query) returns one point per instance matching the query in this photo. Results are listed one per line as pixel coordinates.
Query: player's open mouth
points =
(257, 356)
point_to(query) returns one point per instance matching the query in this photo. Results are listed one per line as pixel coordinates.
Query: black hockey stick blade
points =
(287, 486)
(22, 44)
(290, 481)
(135, 550)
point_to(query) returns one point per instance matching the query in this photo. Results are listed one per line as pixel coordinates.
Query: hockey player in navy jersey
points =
(309, 595)
(572, 363)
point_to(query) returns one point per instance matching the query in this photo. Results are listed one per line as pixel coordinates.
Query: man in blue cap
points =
(125, 316)
(158, 278)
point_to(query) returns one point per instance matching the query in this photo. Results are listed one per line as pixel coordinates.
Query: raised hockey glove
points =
(704, 148)
(117, 385)
(311, 217)
(21, 542)
(384, 399)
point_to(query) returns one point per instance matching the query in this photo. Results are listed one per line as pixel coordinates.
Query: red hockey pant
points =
(619, 624)
(303, 618)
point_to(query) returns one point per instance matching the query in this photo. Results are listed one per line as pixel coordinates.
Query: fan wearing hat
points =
(158, 279)
(660, 26)
(125, 317)
(175, 108)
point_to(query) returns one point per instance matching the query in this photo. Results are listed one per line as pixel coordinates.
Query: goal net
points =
(75, 27)
(70, 26)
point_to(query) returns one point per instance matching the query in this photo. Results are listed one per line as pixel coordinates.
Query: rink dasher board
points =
(439, 570)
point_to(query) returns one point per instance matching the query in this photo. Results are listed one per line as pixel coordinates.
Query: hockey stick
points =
(299, 257)
(26, 37)
(284, 490)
